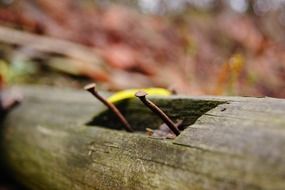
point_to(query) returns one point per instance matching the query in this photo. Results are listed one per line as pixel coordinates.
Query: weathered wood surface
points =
(230, 143)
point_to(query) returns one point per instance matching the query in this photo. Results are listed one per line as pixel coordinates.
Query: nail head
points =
(90, 86)
(140, 94)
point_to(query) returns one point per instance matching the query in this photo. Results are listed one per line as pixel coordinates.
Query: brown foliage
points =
(195, 54)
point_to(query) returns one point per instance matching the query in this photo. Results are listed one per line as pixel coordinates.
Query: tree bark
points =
(64, 139)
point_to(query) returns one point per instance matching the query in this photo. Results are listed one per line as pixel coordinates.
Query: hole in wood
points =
(140, 117)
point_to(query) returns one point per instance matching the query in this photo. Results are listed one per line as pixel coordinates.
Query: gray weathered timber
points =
(64, 139)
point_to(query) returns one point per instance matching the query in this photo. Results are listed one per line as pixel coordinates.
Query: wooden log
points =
(64, 139)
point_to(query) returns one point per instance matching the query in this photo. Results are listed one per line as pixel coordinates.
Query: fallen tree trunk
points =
(63, 139)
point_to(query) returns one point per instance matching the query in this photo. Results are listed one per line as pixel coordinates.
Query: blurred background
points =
(213, 47)
(197, 47)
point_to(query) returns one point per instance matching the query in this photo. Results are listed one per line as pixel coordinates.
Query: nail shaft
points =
(142, 96)
(91, 88)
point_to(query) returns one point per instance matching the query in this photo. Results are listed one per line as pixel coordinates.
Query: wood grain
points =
(229, 143)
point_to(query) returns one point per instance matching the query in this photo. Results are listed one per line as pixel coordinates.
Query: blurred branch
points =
(93, 65)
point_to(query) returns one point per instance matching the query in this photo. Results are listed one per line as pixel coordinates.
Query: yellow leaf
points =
(130, 93)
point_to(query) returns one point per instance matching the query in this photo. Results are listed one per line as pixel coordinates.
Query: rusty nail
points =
(92, 89)
(142, 96)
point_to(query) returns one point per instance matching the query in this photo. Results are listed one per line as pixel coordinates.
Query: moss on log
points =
(64, 139)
